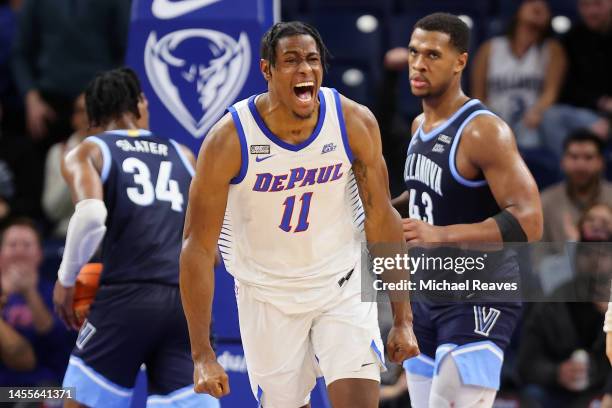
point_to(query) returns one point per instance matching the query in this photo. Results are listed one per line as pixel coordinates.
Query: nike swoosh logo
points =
(258, 158)
(366, 364)
(166, 9)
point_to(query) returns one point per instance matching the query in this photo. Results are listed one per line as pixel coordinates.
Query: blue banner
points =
(195, 58)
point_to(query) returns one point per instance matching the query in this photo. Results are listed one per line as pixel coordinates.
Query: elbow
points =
(92, 213)
(533, 224)
(536, 226)
(195, 256)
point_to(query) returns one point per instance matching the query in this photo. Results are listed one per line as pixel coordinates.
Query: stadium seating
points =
(350, 38)
(381, 7)
(351, 80)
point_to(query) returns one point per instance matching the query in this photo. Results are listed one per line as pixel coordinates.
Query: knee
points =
(448, 389)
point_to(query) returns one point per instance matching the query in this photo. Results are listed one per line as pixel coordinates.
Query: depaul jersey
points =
(146, 185)
(294, 220)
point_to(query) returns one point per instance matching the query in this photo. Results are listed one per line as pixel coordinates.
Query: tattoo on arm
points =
(361, 175)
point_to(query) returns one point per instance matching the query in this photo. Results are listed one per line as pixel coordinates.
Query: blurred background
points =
(544, 66)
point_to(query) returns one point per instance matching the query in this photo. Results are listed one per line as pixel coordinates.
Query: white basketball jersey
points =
(294, 221)
(514, 84)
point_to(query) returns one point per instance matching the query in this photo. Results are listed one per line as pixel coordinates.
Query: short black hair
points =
(450, 24)
(582, 136)
(289, 29)
(111, 94)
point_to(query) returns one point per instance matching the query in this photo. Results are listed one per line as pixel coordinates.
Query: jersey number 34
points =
(145, 194)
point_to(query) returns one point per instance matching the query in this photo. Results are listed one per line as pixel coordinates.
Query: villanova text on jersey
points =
(440, 195)
(424, 170)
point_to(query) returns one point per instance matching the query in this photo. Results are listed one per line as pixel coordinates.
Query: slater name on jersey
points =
(298, 177)
(143, 146)
(423, 169)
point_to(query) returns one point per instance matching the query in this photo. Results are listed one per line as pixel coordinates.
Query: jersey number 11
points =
(289, 203)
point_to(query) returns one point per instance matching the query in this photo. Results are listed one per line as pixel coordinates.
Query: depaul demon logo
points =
(197, 73)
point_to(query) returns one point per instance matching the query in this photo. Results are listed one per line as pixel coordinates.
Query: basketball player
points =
(130, 188)
(477, 189)
(277, 186)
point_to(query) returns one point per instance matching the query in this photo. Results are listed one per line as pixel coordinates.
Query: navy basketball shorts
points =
(131, 325)
(474, 334)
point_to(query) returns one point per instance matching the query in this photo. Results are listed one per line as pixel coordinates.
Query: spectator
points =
(519, 75)
(58, 48)
(28, 308)
(583, 166)
(596, 224)
(562, 352)
(586, 97)
(56, 200)
(6, 191)
(11, 111)
(15, 351)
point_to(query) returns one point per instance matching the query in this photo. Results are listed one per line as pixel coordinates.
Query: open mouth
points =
(304, 91)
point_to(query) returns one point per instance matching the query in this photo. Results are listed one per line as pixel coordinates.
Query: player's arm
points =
(488, 144)
(382, 222)
(218, 162)
(401, 202)
(188, 154)
(81, 169)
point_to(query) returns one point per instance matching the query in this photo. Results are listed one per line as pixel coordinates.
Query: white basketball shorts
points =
(285, 353)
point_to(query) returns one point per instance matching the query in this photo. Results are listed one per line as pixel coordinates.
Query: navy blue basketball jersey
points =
(146, 185)
(439, 195)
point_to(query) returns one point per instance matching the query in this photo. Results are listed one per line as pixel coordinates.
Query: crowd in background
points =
(552, 86)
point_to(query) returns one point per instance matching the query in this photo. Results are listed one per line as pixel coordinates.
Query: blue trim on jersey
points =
(453, 152)
(345, 141)
(426, 137)
(106, 156)
(183, 397)
(244, 154)
(278, 141)
(259, 395)
(93, 389)
(378, 353)
(420, 365)
(126, 132)
(478, 363)
(184, 158)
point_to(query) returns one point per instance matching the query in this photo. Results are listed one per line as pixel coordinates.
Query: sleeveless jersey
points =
(514, 84)
(146, 183)
(439, 195)
(294, 220)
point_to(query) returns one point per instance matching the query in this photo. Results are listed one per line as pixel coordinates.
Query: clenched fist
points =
(210, 378)
(402, 344)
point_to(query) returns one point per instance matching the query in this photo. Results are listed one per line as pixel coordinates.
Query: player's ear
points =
(143, 111)
(461, 62)
(143, 101)
(264, 67)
